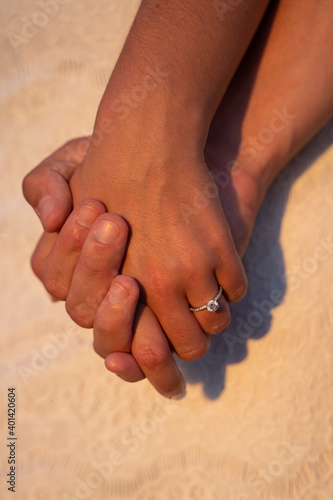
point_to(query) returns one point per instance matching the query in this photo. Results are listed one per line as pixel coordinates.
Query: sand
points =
(257, 421)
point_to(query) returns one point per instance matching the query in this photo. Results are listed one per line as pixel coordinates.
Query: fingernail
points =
(117, 294)
(87, 216)
(107, 232)
(179, 395)
(45, 207)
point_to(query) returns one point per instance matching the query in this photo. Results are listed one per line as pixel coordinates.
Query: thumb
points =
(47, 190)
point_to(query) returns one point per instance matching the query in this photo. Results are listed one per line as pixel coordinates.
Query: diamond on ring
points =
(212, 305)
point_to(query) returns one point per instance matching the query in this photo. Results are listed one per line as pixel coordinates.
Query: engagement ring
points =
(211, 306)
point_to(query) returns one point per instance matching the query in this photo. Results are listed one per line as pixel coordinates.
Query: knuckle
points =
(161, 285)
(99, 350)
(194, 353)
(190, 269)
(92, 262)
(240, 291)
(150, 357)
(35, 264)
(28, 184)
(55, 288)
(103, 327)
(165, 280)
(79, 314)
(222, 323)
(72, 239)
(190, 265)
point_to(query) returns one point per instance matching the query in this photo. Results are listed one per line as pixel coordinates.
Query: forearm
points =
(282, 92)
(195, 46)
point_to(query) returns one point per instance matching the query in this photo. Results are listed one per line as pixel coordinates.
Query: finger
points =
(231, 277)
(125, 366)
(151, 355)
(48, 192)
(151, 350)
(99, 263)
(113, 323)
(46, 187)
(205, 285)
(58, 267)
(171, 307)
(225, 263)
(211, 320)
(42, 250)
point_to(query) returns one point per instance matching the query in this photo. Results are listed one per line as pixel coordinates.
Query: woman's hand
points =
(176, 260)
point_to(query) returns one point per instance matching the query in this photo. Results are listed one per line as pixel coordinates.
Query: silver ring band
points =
(212, 305)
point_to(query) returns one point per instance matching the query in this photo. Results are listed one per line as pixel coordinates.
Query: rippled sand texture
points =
(258, 418)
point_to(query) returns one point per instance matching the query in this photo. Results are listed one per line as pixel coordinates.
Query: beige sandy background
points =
(258, 418)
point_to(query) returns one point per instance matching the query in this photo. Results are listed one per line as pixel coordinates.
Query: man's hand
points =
(46, 188)
(81, 266)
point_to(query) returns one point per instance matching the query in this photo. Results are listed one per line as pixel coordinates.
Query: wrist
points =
(145, 110)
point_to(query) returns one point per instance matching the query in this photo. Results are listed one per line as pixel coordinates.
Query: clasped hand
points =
(167, 262)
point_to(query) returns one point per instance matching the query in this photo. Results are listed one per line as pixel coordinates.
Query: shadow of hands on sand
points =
(264, 266)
